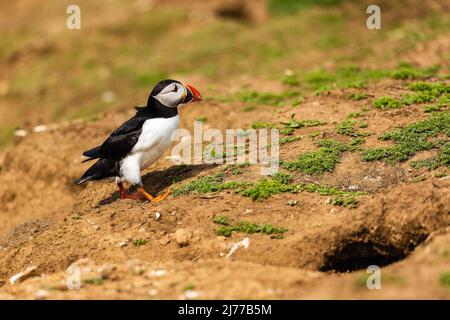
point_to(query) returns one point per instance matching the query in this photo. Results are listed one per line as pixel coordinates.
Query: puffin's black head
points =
(172, 93)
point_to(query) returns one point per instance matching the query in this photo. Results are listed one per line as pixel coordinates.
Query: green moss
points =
(318, 161)
(423, 93)
(358, 96)
(407, 71)
(347, 128)
(263, 125)
(188, 286)
(282, 7)
(265, 188)
(314, 134)
(293, 123)
(444, 279)
(227, 228)
(248, 108)
(206, 184)
(387, 103)
(201, 119)
(94, 281)
(291, 79)
(265, 98)
(139, 242)
(282, 177)
(411, 139)
(288, 139)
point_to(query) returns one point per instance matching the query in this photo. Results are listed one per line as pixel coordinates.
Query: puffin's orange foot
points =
(162, 196)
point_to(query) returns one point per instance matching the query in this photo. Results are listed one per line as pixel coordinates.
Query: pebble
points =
(182, 237)
(21, 276)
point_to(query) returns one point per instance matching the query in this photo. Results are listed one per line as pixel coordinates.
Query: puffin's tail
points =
(103, 168)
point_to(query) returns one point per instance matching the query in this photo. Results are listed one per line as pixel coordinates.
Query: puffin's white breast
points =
(154, 139)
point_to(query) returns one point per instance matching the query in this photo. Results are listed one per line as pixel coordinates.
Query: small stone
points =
(21, 276)
(182, 237)
(191, 294)
(153, 292)
(41, 294)
(248, 211)
(157, 216)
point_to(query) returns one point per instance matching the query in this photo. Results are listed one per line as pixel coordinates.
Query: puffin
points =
(140, 141)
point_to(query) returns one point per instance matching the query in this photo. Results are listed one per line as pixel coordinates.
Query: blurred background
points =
(49, 73)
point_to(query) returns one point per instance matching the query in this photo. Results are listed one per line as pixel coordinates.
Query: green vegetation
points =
(139, 242)
(407, 71)
(264, 98)
(345, 77)
(347, 128)
(207, 184)
(445, 279)
(188, 286)
(264, 125)
(387, 103)
(94, 281)
(267, 187)
(414, 138)
(318, 161)
(423, 93)
(293, 124)
(358, 96)
(289, 139)
(281, 7)
(227, 227)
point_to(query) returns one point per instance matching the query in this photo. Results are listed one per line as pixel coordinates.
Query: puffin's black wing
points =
(120, 142)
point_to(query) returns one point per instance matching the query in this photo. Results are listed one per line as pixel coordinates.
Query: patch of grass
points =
(346, 77)
(314, 134)
(188, 286)
(293, 124)
(265, 98)
(289, 139)
(413, 138)
(236, 169)
(265, 188)
(408, 71)
(94, 281)
(423, 93)
(291, 79)
(6, 135)
(282, 7)
(207, 184)
(202, 119)
(227, 227)
(282, 177)
(387, 103)
(418, 179)
(318, 161)
(358, 96)
(248, 108)
(342, 197)
(347, 128)
(139, 242)
(263, 125)
(445, 279)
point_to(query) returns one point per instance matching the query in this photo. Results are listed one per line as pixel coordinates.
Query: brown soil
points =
(47, 222)
(57, 224)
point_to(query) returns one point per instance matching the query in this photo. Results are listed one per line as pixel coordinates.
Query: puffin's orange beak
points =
(193, 95)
